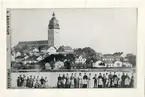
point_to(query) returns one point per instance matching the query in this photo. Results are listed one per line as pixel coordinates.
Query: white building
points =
(51, 50)
(117, 64)
(58, 65)
(99, 64)
(127, 64)
(80, 59)
(18, 54)
(40, 58)
(35, 50)
(47, 66)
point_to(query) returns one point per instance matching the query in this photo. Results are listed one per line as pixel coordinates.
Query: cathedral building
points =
(53, 39)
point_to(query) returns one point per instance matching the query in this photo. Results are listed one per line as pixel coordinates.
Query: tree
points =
(88, 52)
(131, 59)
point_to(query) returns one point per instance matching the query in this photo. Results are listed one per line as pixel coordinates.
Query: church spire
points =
(53, 23)
(53, 14)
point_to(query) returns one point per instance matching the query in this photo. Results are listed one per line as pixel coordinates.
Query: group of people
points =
(31, 82)
(80, 80)
(107, 80)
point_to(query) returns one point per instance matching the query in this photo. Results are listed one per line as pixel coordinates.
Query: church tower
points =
(53, 32)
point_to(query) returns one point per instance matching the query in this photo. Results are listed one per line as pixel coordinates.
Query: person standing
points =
(119, 80)
(107, 80)
(18, 81)
(31, 82)
(89, 81)
(59, 84)
(67, 81)
(21, 80)
(28, 82)
(110, 80)
(80, 80)
(95, 81)
(24, 81)
(46, 82)
(127, 81)
(85, 80)
(123, 77)
(76, 81)
(132, 81)
(42, 81)
(34, 81)
(63, 81)
(104, 80)
(115, 80)
(100, 81)
(37, 83)
(72, 81)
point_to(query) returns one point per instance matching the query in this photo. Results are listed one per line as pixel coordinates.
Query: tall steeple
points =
(53, 32)
(53, 14)
(53, 23)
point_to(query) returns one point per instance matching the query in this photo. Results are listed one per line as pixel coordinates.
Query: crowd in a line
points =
(32, 82)
(82, 80)
(99, 81)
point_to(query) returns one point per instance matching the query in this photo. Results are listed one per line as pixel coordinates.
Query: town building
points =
(81, 59)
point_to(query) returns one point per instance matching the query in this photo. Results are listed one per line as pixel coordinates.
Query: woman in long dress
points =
(72, 81)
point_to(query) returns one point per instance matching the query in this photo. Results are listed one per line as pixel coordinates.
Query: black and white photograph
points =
(71, 48)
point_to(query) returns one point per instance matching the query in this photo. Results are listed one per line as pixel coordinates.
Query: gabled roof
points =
(33, 42)
(64, 49)
(46, 47)
(108, 61)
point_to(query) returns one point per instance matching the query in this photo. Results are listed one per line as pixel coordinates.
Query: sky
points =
(105, 30)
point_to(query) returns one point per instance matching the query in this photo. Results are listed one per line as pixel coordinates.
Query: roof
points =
(53, 23)
(33, 42)
(26, 46)
(64, 49)
(82, 55)
(47, 47)
(108, 62)
(19, 57)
